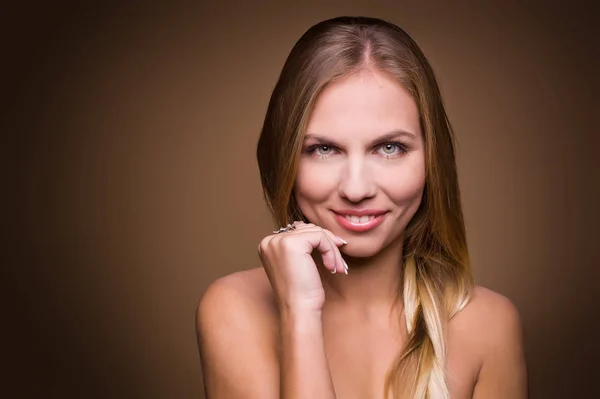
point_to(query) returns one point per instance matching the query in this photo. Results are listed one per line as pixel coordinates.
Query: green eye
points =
(389, 148)
(393, 148)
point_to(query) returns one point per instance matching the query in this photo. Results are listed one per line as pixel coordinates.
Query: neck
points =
(372, 283)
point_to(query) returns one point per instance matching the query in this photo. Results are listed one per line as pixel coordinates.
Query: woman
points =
(367, 291)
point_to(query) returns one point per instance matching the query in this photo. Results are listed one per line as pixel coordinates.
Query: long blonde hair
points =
(437, 279)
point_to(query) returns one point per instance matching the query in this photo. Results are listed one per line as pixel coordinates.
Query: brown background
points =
(131, 133)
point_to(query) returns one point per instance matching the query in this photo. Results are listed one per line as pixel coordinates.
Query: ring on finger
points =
(285, 229)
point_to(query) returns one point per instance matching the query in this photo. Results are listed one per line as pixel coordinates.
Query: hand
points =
(291, 269)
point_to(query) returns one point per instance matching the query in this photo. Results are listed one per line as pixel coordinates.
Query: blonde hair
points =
(437, 279)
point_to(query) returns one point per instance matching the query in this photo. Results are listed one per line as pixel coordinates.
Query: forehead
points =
(364, 104)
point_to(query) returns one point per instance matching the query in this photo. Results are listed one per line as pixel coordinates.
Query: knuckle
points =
(263, 244)
(286, 243)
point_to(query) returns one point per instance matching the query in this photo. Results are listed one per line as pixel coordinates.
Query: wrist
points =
(299, 311)
(300, 319)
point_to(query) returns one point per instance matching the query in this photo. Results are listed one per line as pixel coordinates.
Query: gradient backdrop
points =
(133, 130)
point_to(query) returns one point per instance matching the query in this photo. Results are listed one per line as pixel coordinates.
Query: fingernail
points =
(342, 240)
(334, 271)
(345, 266)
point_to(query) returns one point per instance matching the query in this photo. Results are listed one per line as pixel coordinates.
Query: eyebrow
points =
(385, 137)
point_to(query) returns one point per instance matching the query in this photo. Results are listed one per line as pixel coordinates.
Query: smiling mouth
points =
(360, 223)
(359, 219)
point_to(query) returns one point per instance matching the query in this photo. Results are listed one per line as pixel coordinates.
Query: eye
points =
(323, 150)
(393, 148)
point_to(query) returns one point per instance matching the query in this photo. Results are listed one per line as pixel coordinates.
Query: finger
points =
(338, 241)
(317, 240)
(336, 253)
(299, 225)
(341, 265)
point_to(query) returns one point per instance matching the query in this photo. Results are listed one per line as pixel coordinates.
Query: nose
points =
(357, 181)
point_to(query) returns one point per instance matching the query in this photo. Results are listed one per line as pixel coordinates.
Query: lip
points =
(360, 227)
(360, 212)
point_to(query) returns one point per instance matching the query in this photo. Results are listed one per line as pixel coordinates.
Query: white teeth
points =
(359, 219)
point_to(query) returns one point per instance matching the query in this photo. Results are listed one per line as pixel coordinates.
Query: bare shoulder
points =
(239, 300)
(494, 329)
(489, 313)
(489, 320)
(245, 288)
(236, 329)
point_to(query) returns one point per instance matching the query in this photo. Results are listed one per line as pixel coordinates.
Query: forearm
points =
(304, 371)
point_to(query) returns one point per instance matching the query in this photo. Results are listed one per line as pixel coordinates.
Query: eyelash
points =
(401, 147)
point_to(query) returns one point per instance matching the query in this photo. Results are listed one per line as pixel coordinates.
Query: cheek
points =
(314, 184)
(404, 186)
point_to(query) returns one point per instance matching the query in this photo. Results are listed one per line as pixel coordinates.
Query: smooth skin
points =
(291, 328)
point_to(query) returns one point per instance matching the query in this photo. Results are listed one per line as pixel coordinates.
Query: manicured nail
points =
(334, 271)
(345, 266)
(342, 240)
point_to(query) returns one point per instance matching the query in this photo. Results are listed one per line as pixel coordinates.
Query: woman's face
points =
(362, 170)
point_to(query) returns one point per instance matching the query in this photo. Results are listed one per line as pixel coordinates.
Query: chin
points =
(359, 252)
(369, 246)
(365, 249)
